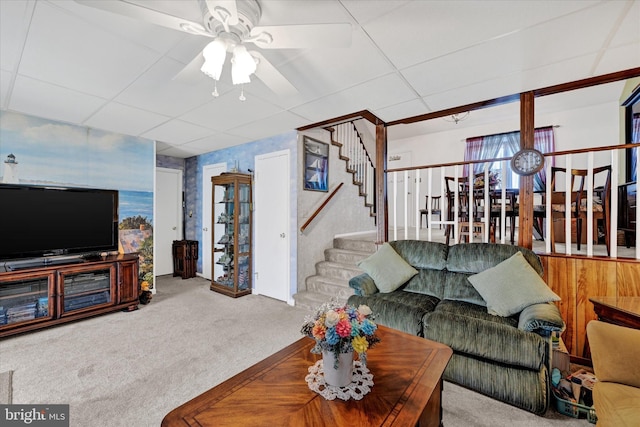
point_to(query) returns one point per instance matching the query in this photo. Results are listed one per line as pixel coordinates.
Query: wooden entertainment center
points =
(45, 295)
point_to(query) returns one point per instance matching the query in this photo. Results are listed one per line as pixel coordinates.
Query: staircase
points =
(332, 275)
(352, 150)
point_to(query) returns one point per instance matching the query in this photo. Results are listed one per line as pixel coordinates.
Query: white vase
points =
(341, 376)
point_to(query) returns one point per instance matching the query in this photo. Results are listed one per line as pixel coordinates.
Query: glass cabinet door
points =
(26, 299)
(80, 290)
(231, 255)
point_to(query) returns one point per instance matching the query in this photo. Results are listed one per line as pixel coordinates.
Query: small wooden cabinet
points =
(185, 256)
(231, 234)
(34, 298)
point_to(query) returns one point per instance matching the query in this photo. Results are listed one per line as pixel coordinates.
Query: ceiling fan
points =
(233, 25)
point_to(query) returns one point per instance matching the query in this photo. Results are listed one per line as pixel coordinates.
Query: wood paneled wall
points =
(576, 279)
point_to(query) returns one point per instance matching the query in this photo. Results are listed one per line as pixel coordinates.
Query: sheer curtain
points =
(506, 145)
(543, 141)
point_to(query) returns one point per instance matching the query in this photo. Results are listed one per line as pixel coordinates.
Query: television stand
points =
(64, 290)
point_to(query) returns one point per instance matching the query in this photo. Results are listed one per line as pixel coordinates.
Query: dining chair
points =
(435, 209)
(601, 205)
(511, 211)
(450, 189)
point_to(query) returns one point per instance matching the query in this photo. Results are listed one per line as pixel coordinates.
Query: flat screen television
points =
(40, 221)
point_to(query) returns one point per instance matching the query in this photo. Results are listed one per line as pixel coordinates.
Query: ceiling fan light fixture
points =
(214, 54)
(242, 65)
(455, 118)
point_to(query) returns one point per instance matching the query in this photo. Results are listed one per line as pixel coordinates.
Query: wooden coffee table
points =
(407, 391)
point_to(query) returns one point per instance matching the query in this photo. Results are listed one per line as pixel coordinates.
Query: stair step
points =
(345, 256)
(337, 270)
(312, 300)
(368, 246)
(329, 286)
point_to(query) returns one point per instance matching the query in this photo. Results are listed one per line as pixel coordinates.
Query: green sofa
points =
(506, 358)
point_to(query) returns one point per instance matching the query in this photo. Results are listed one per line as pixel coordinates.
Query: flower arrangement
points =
(494, 179)
(341, 328)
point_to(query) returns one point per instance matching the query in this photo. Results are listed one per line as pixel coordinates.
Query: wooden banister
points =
(326, 201)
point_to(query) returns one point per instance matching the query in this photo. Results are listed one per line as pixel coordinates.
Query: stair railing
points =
(358, 161)
(322, 206)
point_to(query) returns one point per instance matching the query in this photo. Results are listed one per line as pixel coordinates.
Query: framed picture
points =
(316, 165)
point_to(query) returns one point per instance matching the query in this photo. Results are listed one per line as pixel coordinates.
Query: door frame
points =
(206, 234)
(179, 207)
(258, 218)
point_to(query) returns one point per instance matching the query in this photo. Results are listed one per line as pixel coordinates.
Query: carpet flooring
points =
(6, 387)
(131, 369)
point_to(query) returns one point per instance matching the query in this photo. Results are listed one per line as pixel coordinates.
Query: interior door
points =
(168, 218)
(207, 172)
(271, 214)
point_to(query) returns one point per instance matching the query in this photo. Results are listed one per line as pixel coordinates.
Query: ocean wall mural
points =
(46, 152)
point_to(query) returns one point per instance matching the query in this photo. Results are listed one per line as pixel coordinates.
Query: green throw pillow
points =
(511, 286)
(388, 270)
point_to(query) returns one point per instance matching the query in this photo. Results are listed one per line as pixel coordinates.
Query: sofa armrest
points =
(363, 285)
(615, 351)
(542, 318)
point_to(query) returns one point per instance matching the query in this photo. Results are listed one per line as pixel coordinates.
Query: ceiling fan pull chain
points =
(242, 97)
(215, 89)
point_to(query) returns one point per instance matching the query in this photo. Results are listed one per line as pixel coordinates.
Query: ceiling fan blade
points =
(301, 36)
(191, 70)
(223, 10)
(145, 14)
(271, 77)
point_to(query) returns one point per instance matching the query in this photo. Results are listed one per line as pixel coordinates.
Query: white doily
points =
(361, 382)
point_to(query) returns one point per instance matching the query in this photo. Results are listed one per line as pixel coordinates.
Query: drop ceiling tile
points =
(6, 79)
(177, 132)
(14, 23)
(317, 72)
(124, 119)
(228, 112)
(156, 90)
(272, 125)
(619, 58)
(188, 48)
(442, 27)
(629, 30)
(512, 84)
(138, 31)
(52, 102)
(383, 91)
(215, 142)
(532, 48)
(402, 110)
(283, 12)
(65, 50)
(366, 11)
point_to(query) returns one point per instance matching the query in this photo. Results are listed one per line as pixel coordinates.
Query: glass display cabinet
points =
(231, 234)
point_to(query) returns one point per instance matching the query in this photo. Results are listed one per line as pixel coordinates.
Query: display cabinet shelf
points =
(231, 234)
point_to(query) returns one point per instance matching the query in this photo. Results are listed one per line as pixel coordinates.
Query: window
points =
(506, 145)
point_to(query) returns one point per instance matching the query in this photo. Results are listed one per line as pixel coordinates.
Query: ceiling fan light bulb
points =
(242, 65)
(214, 54)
